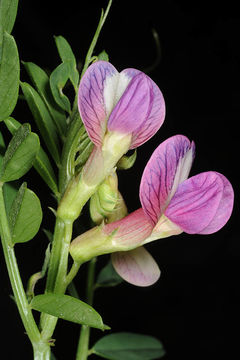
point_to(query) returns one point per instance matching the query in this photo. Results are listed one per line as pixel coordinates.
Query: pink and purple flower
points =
(128, 102)
(171, 203)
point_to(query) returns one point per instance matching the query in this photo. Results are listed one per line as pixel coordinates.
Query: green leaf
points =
(9, 189)
(2, 148)
(44, 168)
(20, 154)
(108, 276)
(58, 80)
(25, 215)
(103, 56)
(66, 55)
(12, 124)
(41, 82)
(83, 152)
(129, 346)
(43, 120)
(9, 76)
(68, 308)
(9, 192)
(8, 12)
(42, 163)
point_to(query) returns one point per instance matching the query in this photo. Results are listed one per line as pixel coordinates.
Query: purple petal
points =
(130, 231)
(134, 106)
(136, 267)
(91, 101)
(154, 120)
(168, 166)
(202, 204)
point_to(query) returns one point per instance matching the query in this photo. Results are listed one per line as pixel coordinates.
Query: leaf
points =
(103, 56)
(129, 346)
(108, 276)
(8, 12)
(2, 148)
(68, 308)
(9, 192)
(41, 163)
(43, 120)
(41, 82)
(58, 79)
(66, 55)
(44, 168)
(9, 76)
(9, 189)
(20, 154)
(25, 215)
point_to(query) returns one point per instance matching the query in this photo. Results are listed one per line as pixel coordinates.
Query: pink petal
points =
(130, 231)
(168, 166)
(154, 120)
(91, 100)
(202, 204)
(134, 106)
(136, 266)
(224, 209)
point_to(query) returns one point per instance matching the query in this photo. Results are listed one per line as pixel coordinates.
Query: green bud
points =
(107, 203)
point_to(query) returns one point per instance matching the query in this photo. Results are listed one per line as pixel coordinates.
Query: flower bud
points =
(107, 203)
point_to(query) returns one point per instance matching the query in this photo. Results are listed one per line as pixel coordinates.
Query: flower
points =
(128, 102)
(171, 203)
(120, 111)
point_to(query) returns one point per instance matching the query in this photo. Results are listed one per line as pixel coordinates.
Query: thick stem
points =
(17, 286)
(42, 352)
(57, 272)
(83, 345)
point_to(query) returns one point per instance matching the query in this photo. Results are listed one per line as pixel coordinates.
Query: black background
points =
(194, 307)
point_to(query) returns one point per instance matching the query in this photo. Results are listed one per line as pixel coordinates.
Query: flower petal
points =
(154, 120)
(91, 100)
(134, 106)
(224, 209)
(202, 204)
(130, 231)
(168, 166)
(136, 266)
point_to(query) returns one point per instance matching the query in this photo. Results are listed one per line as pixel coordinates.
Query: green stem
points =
(95, 38)
(72, 273)
(57, 280)
(39, 346)
(75, 132)
(42, 352)
(83, 345)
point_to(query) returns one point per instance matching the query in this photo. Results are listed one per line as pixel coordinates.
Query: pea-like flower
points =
(125, 103)
(120, 111)
(171, 203)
